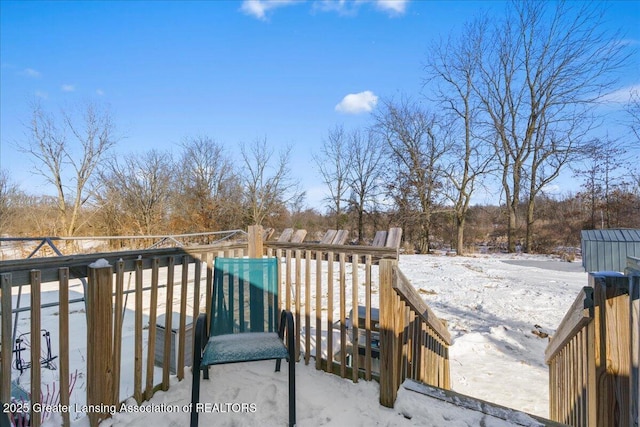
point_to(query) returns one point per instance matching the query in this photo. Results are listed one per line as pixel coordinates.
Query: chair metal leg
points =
(195, 390)
(195, 398)
(205, 372)
(292, 391)
(196, 368)
(291, 348)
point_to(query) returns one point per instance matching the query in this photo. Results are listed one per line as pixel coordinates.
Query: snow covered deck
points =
(251, 394)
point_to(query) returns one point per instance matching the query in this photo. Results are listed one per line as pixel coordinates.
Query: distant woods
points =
(507, 106)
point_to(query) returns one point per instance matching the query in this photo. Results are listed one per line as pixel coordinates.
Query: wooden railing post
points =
(36, 324)
(99, 341)
(5, 357)
(255, 241)
(612, 356)
(634, 322)
(633, 270)
(389, 336)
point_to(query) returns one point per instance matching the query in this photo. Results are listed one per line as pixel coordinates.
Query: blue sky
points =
(286, 71)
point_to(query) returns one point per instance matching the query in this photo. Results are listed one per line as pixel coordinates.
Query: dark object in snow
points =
(21, 345)
(539, 332)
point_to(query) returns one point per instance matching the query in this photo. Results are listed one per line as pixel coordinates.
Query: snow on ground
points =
(492, 304)
(252, 394)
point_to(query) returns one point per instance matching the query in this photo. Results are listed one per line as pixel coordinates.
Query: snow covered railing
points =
(414, 343)
(591, 358)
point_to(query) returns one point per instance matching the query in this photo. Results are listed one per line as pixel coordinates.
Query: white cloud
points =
(356, 103)
(99, 92)
(621, 96)
(259, 8)
(552, 189)
(343, 7)
(43, 95)
(30, 72)
(68, 88)
(394, 6)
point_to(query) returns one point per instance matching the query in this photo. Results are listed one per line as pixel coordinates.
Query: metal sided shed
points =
(607, 250)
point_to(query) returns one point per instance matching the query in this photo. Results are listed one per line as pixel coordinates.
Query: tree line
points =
(510, 103)
(147, 193)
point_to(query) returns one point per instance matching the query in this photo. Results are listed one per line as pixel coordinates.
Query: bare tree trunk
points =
(528, 241)
(460, 221)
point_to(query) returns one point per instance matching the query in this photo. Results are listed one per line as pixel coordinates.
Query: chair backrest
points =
(245, 296)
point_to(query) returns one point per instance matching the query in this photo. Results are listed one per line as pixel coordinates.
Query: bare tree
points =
(633, 110)
(451, 69)
(543, 68)
(8, 195)
(138, 191)
(333, 163)
(268, 185)
(417, 144)
(367, 154)
(602, 173)
(209, 187)
(68, 151)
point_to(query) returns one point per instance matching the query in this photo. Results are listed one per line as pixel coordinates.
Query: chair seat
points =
(248, 346)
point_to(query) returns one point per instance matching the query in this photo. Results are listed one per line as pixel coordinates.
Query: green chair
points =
(246, 324)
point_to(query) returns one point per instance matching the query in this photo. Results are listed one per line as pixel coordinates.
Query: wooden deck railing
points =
(414, 343)
(323, 285)
(326, 286)
(593, 365)
(570, 356)
(181, 272)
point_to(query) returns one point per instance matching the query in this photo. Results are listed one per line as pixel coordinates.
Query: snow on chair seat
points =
(251, 346)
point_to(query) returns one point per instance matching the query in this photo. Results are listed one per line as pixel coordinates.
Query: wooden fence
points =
(326, 286)
(593, 356)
